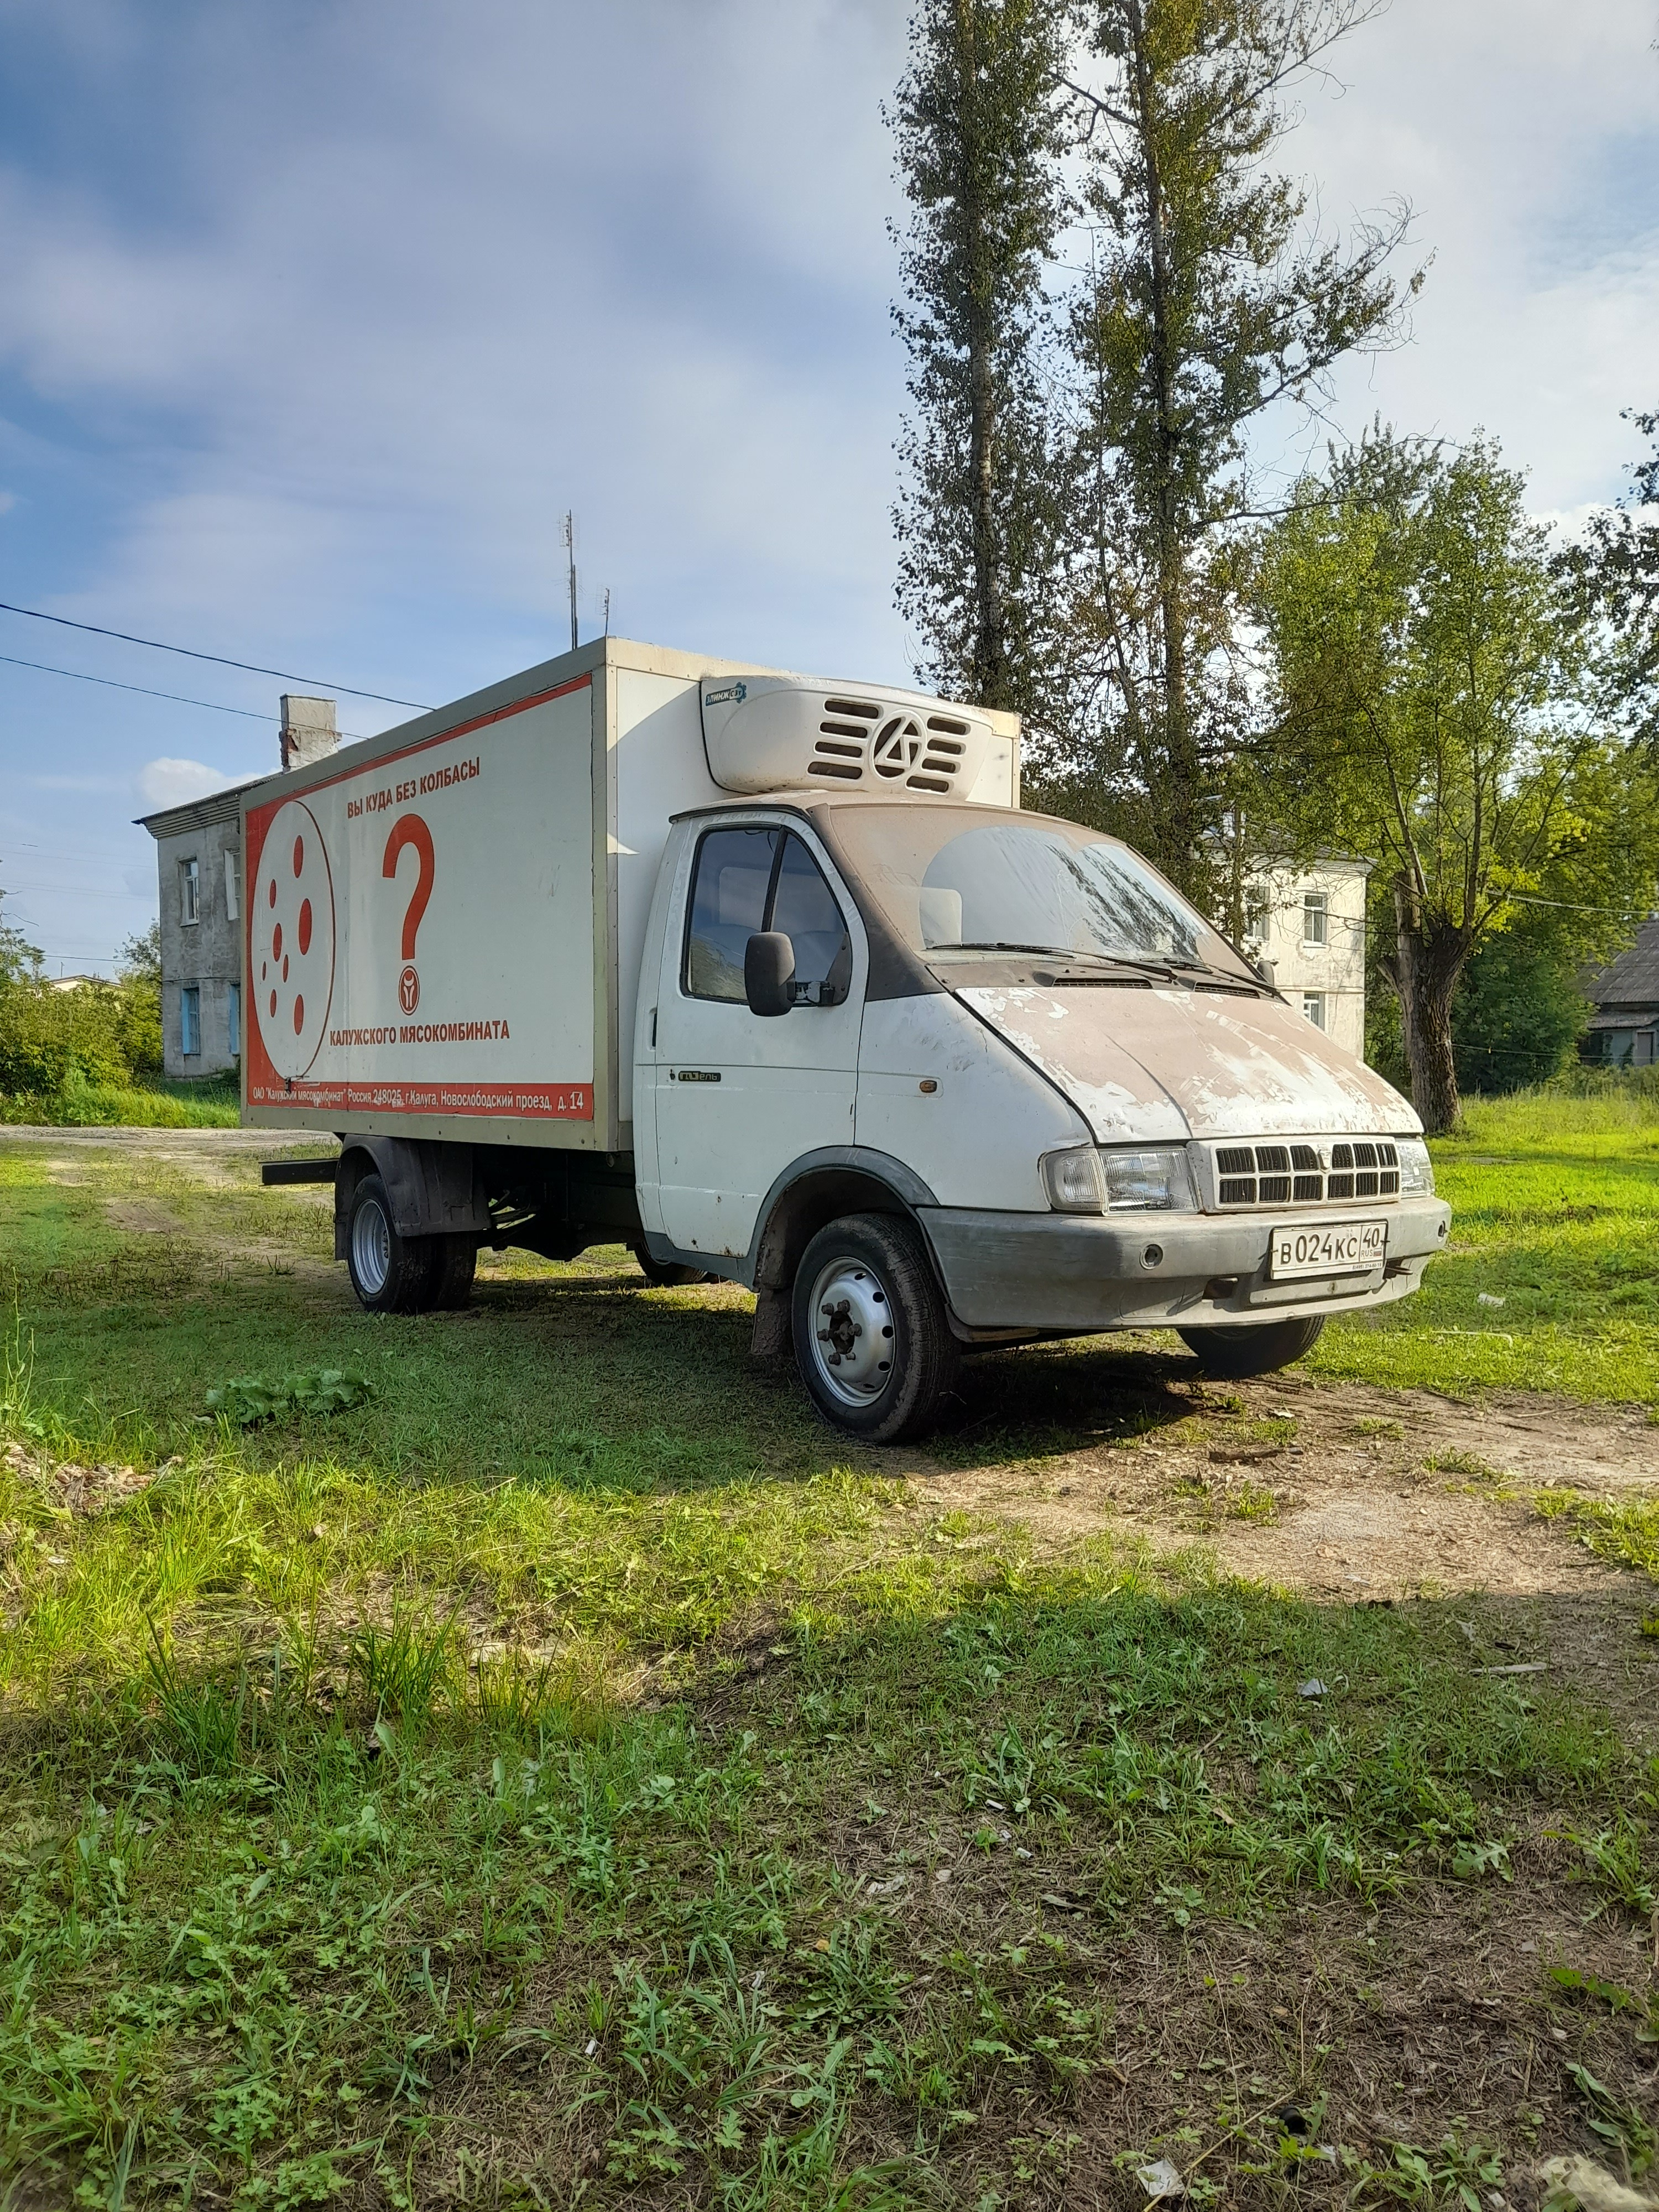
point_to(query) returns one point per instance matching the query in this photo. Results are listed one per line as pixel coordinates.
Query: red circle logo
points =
(409, 990)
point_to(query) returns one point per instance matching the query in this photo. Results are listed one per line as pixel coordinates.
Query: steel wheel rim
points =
(371, 1247)
(850, 1318)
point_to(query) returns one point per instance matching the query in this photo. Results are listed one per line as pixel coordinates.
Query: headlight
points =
(1073, 1180)
(1137, 1181)
(1085, 1181)
(1416, 1168)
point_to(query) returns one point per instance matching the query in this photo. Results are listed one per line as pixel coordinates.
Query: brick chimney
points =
(308, 732)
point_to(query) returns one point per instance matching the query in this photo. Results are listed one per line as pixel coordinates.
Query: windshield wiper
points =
(1142, 963)
(1002, 944)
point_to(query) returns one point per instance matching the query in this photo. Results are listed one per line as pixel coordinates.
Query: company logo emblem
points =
(738, 692)
(291, 939)
(898, 746)
(409, 990)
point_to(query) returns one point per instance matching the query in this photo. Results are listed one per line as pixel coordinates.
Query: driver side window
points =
(752, 880)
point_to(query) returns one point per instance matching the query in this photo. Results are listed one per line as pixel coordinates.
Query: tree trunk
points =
(1176, 791)
(990, 670)
(1428, 960)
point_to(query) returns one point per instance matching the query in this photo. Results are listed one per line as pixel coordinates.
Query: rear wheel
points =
(390, 1273)
(455, 1263)
(872, 1340)
(1252, 1348)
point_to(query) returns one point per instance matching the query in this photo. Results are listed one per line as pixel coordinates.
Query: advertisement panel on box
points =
(419, 927)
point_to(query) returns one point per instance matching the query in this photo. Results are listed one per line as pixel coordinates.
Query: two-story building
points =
(1305, 929)
(198, 851)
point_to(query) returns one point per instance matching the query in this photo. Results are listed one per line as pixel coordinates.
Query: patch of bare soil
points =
(200, 1153)
(143, 1217)
(1351, 1507)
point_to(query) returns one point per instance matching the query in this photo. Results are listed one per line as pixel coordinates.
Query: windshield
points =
(955, 889)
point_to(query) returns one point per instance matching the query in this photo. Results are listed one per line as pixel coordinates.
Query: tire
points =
(665, 1274)
(871, 1340)
(1231, 1354)
(454, 1264)
(391, 1275)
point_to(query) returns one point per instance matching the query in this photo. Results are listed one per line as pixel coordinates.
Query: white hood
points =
(1142, 1064)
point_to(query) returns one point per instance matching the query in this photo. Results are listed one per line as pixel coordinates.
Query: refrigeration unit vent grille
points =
(859, 742)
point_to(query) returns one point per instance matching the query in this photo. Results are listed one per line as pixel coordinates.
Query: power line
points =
(177, 698)
(220, 659)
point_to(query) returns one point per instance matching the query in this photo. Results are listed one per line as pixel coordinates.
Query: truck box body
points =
(444, 923)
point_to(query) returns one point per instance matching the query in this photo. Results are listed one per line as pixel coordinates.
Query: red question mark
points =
(409, 829)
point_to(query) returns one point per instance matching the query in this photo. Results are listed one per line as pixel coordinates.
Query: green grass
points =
(209, 1102)
(531, 1782)
(1555, 1210)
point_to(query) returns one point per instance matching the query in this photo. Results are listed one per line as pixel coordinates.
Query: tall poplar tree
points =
(980, 134)
(1209, 301)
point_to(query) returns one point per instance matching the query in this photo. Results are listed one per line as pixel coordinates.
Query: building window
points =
(190, 892)
(190, 1018)
(1313, 1005)
(1314, 918)
(234, 1019)
(231, 903)
(1257, 913)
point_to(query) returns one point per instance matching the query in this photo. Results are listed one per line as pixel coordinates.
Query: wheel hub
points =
(853, 1340)
(371, 1247)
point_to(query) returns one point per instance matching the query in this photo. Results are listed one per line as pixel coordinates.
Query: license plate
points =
(1326, 1248)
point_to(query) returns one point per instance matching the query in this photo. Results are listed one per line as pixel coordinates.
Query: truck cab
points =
(927, 1075)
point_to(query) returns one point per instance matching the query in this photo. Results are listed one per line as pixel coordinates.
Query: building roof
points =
(205, 813)
(1632, 979)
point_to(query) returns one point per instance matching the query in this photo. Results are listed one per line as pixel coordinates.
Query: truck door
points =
(740, 1096)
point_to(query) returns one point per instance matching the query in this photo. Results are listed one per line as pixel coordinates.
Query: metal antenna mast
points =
(570, 549)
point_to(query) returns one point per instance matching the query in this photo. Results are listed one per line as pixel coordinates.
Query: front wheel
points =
(872, 1340)
(390, 1273)
(1232, 1354)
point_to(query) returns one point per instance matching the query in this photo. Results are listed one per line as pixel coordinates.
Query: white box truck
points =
(772, 979)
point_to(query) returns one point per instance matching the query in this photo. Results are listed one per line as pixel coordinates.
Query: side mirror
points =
(769, 973)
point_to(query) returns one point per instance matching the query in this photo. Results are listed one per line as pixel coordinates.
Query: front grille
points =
(1323, 1174)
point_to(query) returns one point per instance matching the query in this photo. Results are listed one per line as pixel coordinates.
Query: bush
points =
(1518, 1014)
(99, 1034)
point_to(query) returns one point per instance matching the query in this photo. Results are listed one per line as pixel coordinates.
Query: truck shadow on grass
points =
(688, 1348)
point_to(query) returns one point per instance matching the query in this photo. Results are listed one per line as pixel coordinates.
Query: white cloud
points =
(174, 782)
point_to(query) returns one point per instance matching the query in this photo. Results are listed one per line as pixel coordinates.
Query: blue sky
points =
(315, 315)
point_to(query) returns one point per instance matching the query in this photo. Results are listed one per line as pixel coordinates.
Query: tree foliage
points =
(1613, 575)
(1434, 714)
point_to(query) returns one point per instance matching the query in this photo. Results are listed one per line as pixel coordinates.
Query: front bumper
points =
(1012, 1273)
